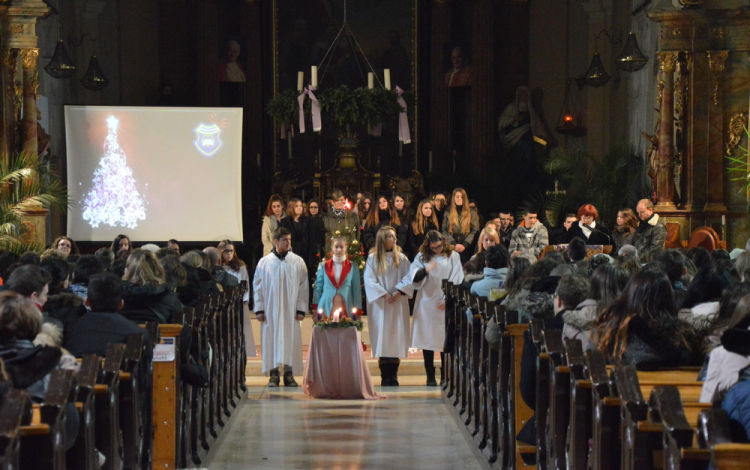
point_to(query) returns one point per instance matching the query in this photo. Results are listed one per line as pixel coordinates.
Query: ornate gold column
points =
(665, 167)
(440, 131)
(20, 93)
(715, 167)
(21, 40)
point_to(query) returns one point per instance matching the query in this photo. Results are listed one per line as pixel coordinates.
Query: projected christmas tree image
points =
(114, 199)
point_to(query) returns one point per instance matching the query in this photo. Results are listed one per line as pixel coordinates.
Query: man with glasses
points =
(281, 295)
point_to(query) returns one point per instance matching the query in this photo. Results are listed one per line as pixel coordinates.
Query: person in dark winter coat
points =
(641, 327)
(62, 305)
(424, 221)
(146, 295)
(382, 215)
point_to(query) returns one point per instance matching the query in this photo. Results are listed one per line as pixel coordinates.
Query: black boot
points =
(430, 376)
(385, 378)
(394, 372)
(274, 380)
(289, 379)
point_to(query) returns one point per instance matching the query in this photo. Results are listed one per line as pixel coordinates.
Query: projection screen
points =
(154, 173)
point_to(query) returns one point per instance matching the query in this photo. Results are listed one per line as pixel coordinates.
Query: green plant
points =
(26, 184)
(341, 106)
(608, 182)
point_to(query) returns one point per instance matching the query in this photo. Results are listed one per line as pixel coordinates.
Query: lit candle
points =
(723, 220)
(320, 314)
(354, 314)
(314, 73)
(336, 316)
(387, 76)
(370, 80)
(300, 80)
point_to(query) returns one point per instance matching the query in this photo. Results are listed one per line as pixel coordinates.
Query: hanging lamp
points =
(94, 78)
(60, 66)
(596, 76)
(631, 59)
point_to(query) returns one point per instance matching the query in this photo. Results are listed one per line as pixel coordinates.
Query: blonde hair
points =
(420, 222)
(465, 223)
(381, 254)
(487, 230)
(143, 268)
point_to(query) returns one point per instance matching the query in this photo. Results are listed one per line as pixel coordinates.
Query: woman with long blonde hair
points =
(487, 237)
(145, 293)
(387, 304)
(436, 261)
(460, 224)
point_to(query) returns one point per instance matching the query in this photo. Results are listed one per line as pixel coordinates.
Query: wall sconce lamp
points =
(61, 66)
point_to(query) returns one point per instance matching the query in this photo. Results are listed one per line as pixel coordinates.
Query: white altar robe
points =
(428, 330)
(280, 289)
(389, 324)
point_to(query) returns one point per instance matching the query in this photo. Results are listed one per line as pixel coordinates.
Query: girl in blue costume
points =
(337, 285)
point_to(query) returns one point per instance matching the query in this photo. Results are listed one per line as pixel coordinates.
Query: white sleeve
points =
(373, 288)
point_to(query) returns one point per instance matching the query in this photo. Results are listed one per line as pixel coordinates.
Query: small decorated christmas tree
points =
(114, 199)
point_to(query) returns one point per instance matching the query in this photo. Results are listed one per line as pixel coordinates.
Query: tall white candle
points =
(370, 80)
(387, 76)
(314, 74)
(723, 220)
(258, 158)
(300, 80)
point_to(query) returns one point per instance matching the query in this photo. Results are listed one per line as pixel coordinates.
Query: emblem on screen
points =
(207, 139)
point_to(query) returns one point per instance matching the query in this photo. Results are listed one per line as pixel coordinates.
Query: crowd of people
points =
(641, 304)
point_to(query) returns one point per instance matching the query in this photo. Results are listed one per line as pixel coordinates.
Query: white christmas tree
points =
(114, 199)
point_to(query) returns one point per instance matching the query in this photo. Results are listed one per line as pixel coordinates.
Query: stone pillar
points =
(665, 167)
(482, 76)
(440, 134)
(715, 168)
(29, 58)
(11, 107)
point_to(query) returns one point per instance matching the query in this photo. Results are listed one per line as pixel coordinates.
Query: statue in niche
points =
(521, 131)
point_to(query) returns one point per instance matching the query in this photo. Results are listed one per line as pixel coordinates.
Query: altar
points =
(336, 366)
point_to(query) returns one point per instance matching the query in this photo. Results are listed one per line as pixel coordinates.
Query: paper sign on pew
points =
(164, 351)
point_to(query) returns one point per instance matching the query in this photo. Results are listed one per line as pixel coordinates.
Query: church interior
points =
(627, 99)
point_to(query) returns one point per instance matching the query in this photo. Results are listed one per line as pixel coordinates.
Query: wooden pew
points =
(520, 412)
(15, 408)
(166, 398)
(448, 352)
(107, 401)
(605, 426)
(134, 420)
(84, 455)
(43, 440)
(580, 422)
(714, 434)
(558, 405)
(483, 380)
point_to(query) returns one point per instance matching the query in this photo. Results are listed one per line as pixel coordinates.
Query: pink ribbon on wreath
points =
(403, 121)
(314, 109)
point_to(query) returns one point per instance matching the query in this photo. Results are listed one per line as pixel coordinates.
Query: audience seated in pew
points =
(495, 271)
(521, 290)
(700, 307)
(641, 327)
(219, 273)
(62, 305)
(607, 283)
(182, 279)
(571, 290)
(85, 267)
(673, 263)
(737, 405)
(146, 296)
(728, 362)
(103, 325)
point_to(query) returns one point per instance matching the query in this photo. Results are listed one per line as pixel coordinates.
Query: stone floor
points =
(283, 429)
